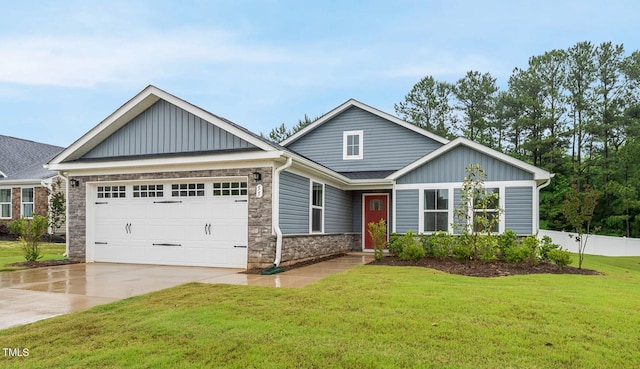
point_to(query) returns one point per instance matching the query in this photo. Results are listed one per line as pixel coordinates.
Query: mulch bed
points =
(483, 269)
(42, 264)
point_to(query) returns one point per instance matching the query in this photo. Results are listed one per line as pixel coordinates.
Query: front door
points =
(376, 207)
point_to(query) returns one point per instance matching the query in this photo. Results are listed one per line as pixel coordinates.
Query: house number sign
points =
(259, 191)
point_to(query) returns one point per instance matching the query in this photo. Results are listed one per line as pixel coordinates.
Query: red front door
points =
(376, 207)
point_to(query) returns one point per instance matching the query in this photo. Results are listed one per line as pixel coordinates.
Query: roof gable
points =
(110, 136)
(461, 142)
(351, 103)
(165, 128)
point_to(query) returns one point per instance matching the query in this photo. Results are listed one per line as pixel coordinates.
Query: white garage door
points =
(198, 223)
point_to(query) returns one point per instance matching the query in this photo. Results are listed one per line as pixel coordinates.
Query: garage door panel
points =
(210, 230)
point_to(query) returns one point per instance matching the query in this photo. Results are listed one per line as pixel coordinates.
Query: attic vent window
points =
(352, 144)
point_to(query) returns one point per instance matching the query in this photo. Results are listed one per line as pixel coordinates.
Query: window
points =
(187, 190)
(111, 192)
(5, 203)
(317, 207)
(148, 190)
(27, 202)
(485, 211)
(352, 145)
(436, 210)
(230, 189)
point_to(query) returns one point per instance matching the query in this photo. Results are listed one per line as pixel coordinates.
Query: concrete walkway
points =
(30, 295)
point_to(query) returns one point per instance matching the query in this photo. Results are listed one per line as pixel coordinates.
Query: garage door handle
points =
(166, 244)
(240, 246)
(127, 227)
(207, 228)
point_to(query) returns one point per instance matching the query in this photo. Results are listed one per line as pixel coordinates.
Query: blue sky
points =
(67, 65)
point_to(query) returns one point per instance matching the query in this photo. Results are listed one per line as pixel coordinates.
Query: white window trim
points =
(345, 140)
(10, 202)
(311, 207)
(33, 203)
(501, 186)
(448, 210)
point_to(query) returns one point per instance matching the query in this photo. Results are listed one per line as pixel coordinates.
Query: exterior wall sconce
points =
(257, 176)
(74, 182)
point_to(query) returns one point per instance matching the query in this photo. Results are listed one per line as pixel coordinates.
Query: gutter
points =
(540, 187)
(275, 209)
(65, 175)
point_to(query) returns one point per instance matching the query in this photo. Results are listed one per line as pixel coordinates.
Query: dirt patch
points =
(297, 265)
(42, 264)
(483, 269)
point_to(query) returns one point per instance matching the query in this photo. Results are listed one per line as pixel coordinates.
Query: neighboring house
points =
(161, 181)
(23, 178)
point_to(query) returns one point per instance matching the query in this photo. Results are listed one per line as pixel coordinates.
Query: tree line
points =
(574, 112)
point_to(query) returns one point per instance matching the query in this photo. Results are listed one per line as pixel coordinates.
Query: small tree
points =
(57, 205)
(578, 207)
(378, 233)
(30, 231)
(478, 212)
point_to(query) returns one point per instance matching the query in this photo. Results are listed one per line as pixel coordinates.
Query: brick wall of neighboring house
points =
(15, 203)
(40, 201)
(261, 249)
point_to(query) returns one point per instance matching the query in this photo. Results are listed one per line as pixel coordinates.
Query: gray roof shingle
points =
(23, 159)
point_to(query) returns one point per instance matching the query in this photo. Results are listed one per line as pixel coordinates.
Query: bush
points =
(488, 248)
(438, 245)
(462, 248)
(378, 233)
(30, 231)
(506, 240)
(411, 250)
(560, 257)
(517, 254)
(395, 244)
(546, 246)
(532, 243)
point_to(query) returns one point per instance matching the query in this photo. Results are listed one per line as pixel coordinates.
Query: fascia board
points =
(160, 162)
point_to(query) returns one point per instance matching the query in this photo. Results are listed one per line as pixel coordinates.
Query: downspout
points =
(275, 210)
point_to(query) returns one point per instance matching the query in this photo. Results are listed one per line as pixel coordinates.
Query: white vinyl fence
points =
(596, 245)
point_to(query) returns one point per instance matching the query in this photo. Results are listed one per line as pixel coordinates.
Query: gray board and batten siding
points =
(294, 203)
(407, 208)
(386, 145)
(166, 129)
(518, 211)
(450, 167)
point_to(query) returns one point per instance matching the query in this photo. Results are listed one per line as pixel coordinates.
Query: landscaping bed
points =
(471, 268)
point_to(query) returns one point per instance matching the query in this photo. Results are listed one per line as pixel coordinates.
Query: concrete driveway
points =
(30, 295)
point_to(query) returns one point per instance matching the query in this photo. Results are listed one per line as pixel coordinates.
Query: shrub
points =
(517, 254)
(506, 240)
(395, 244)
(546, 246)
(462, 248)
(378, 233)
(532, 243)
(560, 257)
(488, 248)
(30, 231)
(438, 245)
(411, 250)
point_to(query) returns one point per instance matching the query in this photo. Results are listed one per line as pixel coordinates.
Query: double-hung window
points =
(317, 207)
(436, 210)
(485, 211)
(352, 145)
(27, 202)
(5, 203)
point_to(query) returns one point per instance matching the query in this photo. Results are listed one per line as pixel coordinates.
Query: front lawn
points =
(11, 252)
(368, 317)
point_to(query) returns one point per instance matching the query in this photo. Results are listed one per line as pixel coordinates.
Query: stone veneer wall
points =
(297, 248)
(261, 248)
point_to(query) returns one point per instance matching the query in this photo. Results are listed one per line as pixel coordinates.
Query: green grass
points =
(368, 317)
(11, 252)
